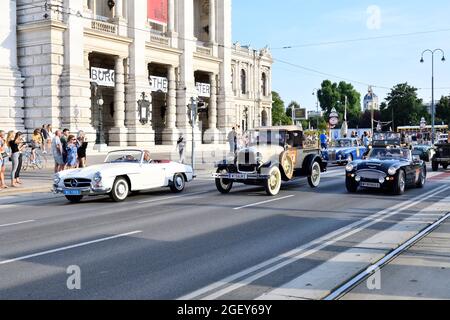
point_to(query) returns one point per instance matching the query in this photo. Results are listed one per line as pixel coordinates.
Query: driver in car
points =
(147, 157)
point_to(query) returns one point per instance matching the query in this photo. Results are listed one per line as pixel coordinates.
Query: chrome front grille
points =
(371, 174)
(246, 161)
(77, 183)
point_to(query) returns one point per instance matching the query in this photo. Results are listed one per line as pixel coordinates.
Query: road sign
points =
(299, 114)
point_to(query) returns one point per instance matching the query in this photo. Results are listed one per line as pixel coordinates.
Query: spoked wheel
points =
(422, 179)
(400, 185)
(224, 186)
(120, 190)
(314, 177)
(178, 183)
(273, 184)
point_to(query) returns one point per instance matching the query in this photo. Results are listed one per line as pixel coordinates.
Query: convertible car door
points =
(153, 175)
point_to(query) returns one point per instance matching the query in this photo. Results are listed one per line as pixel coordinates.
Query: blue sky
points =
(382, 62)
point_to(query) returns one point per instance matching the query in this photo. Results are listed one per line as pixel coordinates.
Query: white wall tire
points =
(273, 184)
(224, 186)
(120, 190)
(314, 176)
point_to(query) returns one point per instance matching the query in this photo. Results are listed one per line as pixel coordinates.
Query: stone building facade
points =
(85, 64)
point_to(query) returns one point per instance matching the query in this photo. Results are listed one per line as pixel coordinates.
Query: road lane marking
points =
(262, 202)
(68, 247)
(343, 289)
(238, 280)
(16, 223)
(174, 197)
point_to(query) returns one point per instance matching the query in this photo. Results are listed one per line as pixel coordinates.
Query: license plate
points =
(238, 176)
(370, 185)
(72, 192)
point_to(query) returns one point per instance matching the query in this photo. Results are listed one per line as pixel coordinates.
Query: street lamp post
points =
(433, 129)
(316, 93)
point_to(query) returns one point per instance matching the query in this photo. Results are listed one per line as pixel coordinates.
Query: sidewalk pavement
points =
(41, 180)
(420, 273)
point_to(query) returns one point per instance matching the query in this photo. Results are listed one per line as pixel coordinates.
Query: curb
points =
(15, 191)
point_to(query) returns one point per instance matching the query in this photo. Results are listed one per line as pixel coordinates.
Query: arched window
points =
(264, 84)
(243, 82)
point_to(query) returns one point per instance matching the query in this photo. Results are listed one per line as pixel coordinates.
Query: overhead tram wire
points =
(69, 11)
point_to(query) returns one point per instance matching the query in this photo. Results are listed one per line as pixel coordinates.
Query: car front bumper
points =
(89, 191)
(441, 159)
(240, 176)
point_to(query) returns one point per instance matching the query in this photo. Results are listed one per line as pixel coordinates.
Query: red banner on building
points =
(157, 10)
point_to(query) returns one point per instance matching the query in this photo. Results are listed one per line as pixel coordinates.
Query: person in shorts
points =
(57, 152)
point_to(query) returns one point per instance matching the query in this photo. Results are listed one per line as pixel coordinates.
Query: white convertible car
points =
(122, 172)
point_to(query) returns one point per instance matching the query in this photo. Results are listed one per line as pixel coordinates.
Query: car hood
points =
(106, 169)
(341, 149)
(378, 164)
(267, 151)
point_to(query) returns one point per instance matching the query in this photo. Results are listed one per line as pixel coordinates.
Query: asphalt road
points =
(204, 245)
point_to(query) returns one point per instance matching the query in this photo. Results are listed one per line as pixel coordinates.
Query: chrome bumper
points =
(83, 191)
(241, 176)
(441, 159)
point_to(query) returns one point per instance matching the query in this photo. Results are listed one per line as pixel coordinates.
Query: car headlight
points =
(349, 167)
(56, 179)
(392, 171)
(97, 177)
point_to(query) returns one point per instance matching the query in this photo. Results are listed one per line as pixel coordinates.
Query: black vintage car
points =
(425, 152)
(441, 157)
(390, 168)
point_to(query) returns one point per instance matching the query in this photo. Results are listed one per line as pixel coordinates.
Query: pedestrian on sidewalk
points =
(51, 135)
(58, 152)
(3, 158)
(36, 143)
(232, 139)
(180, 146)
(17, 146)
(72, 152)
(44, 135)
(64, 140)
(82, 145)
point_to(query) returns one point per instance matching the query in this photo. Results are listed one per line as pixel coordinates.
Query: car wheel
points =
(224, 186)
(445, 166)
(422, 179)
(287, 166)
(120, 190)
(178, 184)
(400, 183)
(273, 184)
(314, 177)
(435, 166)
(74, 199)
(352, 186)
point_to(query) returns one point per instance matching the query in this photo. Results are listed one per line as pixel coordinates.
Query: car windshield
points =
(124, 157)
(388, 153)
(344, 143)
(266, 137)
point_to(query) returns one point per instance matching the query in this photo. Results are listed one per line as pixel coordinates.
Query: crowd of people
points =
(69, 151)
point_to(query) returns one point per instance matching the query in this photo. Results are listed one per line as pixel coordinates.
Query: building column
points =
(118, 134)
(141, 135)
(212, 27)
(11, 88)
(171, 32)
(212, 134)
(170, 133)
(75, 83)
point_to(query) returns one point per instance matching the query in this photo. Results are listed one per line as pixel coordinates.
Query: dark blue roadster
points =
(344, 151)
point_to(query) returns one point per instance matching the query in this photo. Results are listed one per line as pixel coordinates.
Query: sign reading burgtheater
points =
(158, 84)
(103, 77)
(203, 89)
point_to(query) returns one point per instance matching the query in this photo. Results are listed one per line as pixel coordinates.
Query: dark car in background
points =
(442, 156)
(425, 152)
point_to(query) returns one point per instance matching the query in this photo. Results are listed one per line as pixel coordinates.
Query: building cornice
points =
(42, 25)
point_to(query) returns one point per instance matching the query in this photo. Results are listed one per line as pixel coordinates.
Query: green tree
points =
(332, 95)
(405, 106)
(279, 111)
(443, 110)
